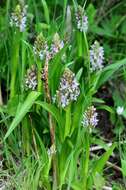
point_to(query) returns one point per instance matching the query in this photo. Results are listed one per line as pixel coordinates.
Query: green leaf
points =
(12, 105)
(100, 163)
(91, 12)
(107, 108)
(98, 100)
(79, 74)
(53, 110)
(77, 185)
(24, 108)
(123, 163)
(108, 72)
(77, 114)
(99, 181)
(64, 159)
(46, 11)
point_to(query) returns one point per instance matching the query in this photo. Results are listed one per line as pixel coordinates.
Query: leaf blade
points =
(24, 108)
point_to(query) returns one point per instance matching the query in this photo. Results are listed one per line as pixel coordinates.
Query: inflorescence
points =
(57, 44)
(96, 56)
(69, 88)
(31, 78)
(81, 19)
(19, 17)
(90, 117)
(40, 47)
(42, 50)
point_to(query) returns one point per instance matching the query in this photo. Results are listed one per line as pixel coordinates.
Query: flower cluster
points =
(96, 56)
(81, 19)
(19, 17)
(69, 88)
(31, 78)
(57, 45)
(43, 51)
(90, 117)
(40, 47)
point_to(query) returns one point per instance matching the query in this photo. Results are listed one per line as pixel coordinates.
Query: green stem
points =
(64, 9)
(87, 55)
(25, 135)
(68, 121)
(79, 44)
(86, 165)
(23, 66)
(1, 99)
(14, 66)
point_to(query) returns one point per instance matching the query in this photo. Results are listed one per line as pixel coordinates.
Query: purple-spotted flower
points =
(31, 78)
(68, 89)
(96, 56)
(90, 118)
(56, 45)
(40, 47)
(81, 20)
(19, 17)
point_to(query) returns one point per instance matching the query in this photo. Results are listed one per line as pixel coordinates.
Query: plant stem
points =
(79, 44)
(87, 143)
(14, 62)
(1, 99)
(86, 54)
(52, 128)
(68, 121)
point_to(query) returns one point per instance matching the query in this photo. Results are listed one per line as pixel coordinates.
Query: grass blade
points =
(24, 108)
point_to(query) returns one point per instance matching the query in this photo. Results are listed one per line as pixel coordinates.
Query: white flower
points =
(120, 110)
(96, 56)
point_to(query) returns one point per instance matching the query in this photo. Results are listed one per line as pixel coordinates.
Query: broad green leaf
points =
(12, 105)
(107, 108)
(91, 12)
(100, 163)
(77, 114)
(99, 181)
(77, 185)
(64, 159)
(53, 110)
(79, 73)
(109, 70)
(24, 108)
